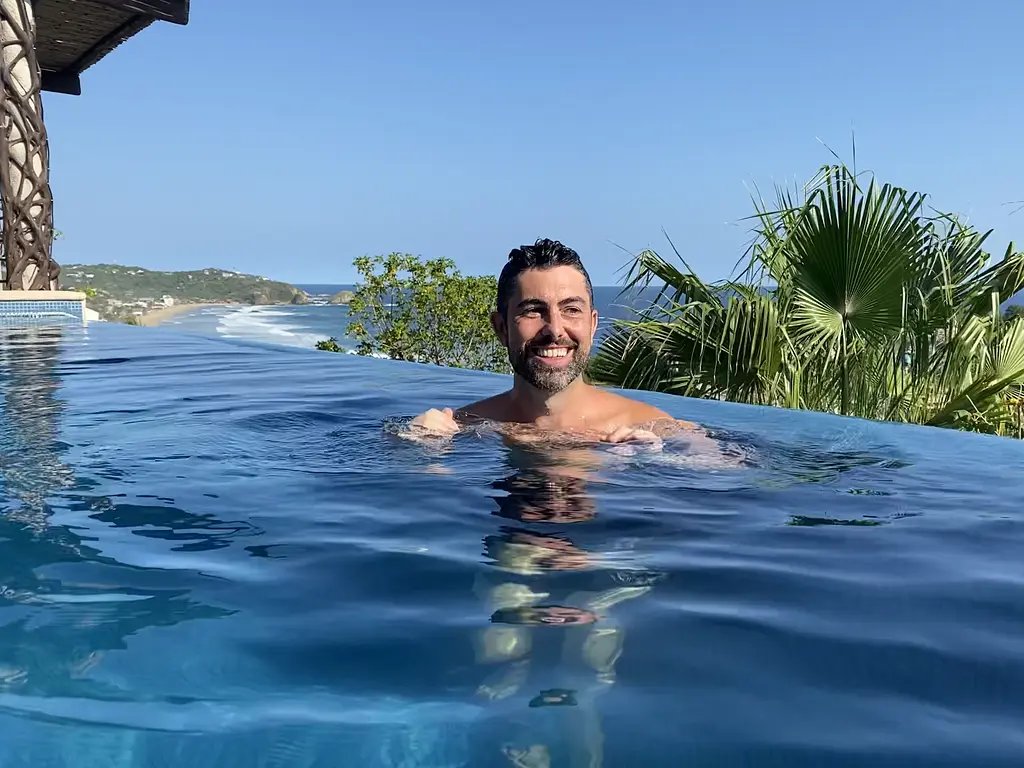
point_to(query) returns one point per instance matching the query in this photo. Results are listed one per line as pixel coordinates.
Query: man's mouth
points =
(551, 351)
(554, 356)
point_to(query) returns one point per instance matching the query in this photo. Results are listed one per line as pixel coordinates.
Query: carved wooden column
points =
(25, 197)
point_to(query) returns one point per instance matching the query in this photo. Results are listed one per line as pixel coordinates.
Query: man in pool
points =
(546, 320)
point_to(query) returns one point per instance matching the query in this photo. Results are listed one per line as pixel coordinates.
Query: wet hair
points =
(544, 254)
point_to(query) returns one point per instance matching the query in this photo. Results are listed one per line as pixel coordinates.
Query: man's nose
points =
(554, 325)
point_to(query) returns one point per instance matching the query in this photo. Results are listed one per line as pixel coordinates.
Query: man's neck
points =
(533, 404)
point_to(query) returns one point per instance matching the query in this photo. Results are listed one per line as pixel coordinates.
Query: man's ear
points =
(593, 323)
(500, 330)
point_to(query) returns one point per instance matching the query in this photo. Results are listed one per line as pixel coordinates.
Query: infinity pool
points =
(218, 554)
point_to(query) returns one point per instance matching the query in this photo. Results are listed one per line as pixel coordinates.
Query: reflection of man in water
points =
(546, 319)
(520, 598)
(529, 608)
(549, 496)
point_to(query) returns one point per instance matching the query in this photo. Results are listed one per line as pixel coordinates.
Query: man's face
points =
(549, 327)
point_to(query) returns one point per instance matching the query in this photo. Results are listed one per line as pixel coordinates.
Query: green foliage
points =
(211, 285)
(852, 301)
(1012, 311)
(110, 286)
(424, 311)
(330, 345)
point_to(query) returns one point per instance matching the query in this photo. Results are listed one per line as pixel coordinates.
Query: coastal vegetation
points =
(854, 298)
(117, 292)
(426, 311)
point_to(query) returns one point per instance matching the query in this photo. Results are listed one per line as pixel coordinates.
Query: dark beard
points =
(545, 378)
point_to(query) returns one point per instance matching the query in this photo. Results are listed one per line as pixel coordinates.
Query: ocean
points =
(303, 326)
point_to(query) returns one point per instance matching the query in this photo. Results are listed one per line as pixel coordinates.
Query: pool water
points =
(218, 553)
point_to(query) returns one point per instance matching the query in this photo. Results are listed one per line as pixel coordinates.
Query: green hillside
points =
(113, 287)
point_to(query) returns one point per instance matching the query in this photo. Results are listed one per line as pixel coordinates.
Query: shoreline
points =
(161, 315)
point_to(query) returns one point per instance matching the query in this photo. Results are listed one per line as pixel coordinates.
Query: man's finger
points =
(617, 435)
(647, 435)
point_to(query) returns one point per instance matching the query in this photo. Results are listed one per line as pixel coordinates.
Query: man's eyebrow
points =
(533, 301)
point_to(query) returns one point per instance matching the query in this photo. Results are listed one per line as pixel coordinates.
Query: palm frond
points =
(852, 300)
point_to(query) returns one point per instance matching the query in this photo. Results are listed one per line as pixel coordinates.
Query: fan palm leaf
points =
(852, 300)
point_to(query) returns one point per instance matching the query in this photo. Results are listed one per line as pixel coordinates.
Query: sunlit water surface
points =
(217, 553)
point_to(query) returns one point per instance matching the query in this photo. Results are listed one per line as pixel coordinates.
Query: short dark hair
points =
(544, 254)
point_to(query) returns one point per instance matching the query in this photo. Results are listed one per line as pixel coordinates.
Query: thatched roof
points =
(72, 35)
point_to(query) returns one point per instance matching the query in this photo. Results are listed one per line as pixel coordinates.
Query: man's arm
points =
(434, 422)
(647, 424)
(448, 421)
(653, 431)
(702, 450)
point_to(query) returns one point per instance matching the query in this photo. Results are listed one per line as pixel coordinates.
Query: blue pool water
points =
(215, 553)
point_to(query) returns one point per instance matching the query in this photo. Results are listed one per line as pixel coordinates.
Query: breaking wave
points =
(267, 324)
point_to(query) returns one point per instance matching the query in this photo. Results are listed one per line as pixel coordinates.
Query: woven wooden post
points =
(25, 197)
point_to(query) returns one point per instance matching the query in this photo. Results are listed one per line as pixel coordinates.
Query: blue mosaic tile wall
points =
(41, 312)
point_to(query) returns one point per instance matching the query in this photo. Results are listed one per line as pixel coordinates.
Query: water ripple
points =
(211, 539)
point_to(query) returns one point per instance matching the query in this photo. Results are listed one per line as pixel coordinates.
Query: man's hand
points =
(437, 422)
(633, 435)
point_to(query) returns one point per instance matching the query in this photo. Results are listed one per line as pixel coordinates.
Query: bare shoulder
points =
(630, 412)
(491, 408)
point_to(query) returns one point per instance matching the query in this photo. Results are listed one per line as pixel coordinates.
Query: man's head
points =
(546, 317)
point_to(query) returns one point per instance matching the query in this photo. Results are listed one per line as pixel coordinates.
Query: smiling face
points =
(549, 327)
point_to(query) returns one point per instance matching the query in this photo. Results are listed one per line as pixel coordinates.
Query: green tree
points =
(424, 311)
(852, 301)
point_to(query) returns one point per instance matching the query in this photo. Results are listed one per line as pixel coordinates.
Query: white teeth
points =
(552, 352)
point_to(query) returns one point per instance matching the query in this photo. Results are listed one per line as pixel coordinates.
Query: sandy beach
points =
(157, 316)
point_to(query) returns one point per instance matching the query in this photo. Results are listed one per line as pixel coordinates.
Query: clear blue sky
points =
(286, 145)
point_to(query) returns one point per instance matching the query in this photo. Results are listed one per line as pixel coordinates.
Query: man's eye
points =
(572, 310)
